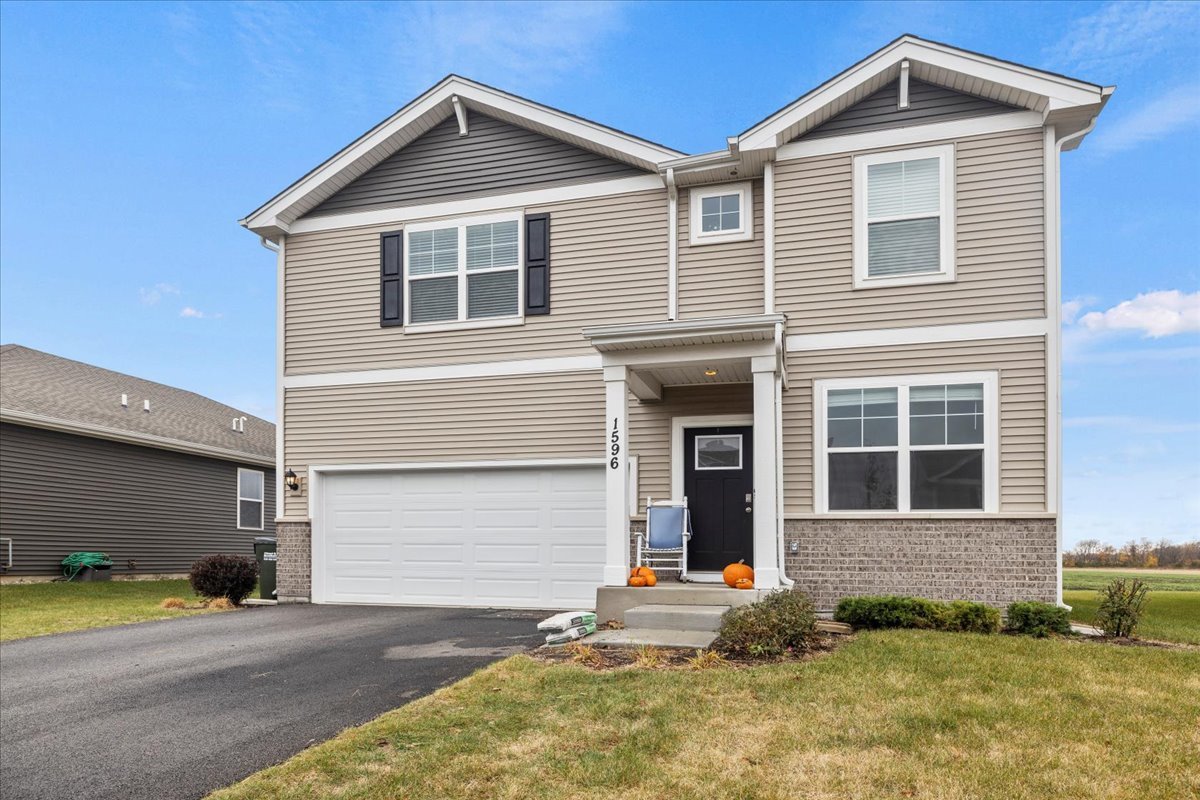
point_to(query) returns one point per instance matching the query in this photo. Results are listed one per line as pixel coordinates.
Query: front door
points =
(718, 482)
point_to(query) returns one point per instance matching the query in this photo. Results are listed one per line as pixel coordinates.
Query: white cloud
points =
(157, 292)
(1121, 34)
(1153, 314)
(195, 313)
(1071, 308)
(1176, 110)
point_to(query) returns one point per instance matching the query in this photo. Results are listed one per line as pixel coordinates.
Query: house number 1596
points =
(615, 447)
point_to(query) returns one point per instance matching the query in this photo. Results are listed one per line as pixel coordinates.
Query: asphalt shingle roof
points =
(33, 382)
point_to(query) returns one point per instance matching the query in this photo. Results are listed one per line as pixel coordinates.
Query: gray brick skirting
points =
(995, 561)
(294, 567)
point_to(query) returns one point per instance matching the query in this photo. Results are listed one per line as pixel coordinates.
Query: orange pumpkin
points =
(743, 583)
(637, 580)
(734, 572)
(650, 579)
(644, 572)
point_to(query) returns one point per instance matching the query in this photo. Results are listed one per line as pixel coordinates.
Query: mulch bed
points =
(613, 658)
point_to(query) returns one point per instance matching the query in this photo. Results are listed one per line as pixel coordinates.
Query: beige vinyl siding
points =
(608, 263)
(720, 279)
(650, 428)
(480, 419)
(1021, 363)
(1000, 244)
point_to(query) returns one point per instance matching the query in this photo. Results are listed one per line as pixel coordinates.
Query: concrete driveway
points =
(177, 708)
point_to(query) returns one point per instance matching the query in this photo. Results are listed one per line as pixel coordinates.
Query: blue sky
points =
(133, 136)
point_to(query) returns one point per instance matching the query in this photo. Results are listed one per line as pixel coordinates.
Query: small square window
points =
(719, 452)
(720, 214)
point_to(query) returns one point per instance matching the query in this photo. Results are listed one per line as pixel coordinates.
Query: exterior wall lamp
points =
(291, 481)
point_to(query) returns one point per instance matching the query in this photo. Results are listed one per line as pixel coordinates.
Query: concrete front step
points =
(675, 617)
(612, 602)
(638, 637)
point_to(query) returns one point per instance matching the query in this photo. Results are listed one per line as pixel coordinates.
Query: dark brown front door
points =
(719, 484)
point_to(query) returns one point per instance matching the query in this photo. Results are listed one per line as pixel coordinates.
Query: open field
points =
(39, 608)
(889, 714)
(1169, 616)
(1174, 580)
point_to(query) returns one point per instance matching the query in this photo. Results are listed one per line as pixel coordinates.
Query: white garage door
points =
(511, 538)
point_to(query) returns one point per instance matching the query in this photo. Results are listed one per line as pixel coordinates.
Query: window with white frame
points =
(463, 270)
(904, 217)
(913, 443)
(720, 214)
(250, 503)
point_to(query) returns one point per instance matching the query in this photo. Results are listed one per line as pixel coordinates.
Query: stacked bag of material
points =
(568, 626)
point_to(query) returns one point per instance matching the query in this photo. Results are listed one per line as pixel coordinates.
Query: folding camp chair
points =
(664, 544)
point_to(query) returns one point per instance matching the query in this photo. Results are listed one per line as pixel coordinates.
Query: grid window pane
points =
(862, 481)
(492, 245)
(250, 485)
(434, 299)
(862, 417)
(950, 414)
(433, 252)
(721, 213)
(879, 432)
(492, 294)
(845, 432)
(710, 205)
(250, 514)
(946, 479)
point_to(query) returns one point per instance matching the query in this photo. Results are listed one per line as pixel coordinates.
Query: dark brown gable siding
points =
(927, 103)
(60, 493)
(494, 158)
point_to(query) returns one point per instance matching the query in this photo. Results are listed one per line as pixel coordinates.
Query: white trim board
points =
(482, 369)
(916, 134)
(514, 201)
(924, 334)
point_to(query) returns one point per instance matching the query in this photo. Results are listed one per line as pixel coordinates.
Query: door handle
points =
(748, 509)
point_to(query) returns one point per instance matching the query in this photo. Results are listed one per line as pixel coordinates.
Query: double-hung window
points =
(721, 213)
(464, 271)
(250, 504)
(913, 443)
(904, 217)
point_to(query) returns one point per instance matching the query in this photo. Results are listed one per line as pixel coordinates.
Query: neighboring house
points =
(503, 327)
(154, 476)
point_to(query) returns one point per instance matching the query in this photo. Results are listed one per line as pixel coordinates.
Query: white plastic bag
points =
(567, 619)
(571, 634)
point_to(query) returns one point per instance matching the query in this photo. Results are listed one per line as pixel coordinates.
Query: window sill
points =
(902, 280)
(463, 325)
(877, 515)
(720, 238)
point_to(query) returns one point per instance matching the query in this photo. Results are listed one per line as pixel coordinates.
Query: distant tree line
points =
(1141, 553)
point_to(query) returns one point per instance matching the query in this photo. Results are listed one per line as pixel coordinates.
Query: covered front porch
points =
(726, 460)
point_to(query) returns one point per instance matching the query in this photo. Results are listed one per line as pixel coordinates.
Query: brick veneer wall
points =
(996, 561)
(293, 569)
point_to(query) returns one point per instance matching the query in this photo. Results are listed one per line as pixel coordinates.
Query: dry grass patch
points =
(220, 604)
(889, 714)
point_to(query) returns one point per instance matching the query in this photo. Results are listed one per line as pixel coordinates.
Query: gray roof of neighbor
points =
(45, 390)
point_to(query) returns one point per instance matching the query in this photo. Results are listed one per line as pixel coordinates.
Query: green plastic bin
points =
(264, 553)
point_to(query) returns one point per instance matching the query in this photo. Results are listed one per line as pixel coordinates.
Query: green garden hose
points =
(74, 563)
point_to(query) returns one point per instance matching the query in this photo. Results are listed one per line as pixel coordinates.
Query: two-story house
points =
(502, 327)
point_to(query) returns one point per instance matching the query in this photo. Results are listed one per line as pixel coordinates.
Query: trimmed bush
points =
(779, 622)
(1121, 605)
(1038, 619)
(224, 576)
(890, 611)
(969, 617)
(894, 611)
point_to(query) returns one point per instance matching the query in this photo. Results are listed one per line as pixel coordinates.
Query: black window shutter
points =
(391, 279)
(537, 264)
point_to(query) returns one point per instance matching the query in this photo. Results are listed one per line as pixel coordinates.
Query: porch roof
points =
(684, 333)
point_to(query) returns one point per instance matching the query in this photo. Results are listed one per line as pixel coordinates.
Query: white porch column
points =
(616, 482)
(766, 548)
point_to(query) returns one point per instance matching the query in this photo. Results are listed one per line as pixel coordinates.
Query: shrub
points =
(173, 602)
(224, 576)
(1038, 619)
(890, 611)
(779, 622)
(963, 615)
(1121, 605)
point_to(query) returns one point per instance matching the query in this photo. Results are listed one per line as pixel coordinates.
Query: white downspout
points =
(1054, 347)
(672, 245)
(769, 237)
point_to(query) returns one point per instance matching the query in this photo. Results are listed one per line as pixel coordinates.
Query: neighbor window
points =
(917, 443)
(463, 270)
(904, 217)
(720, 214)
(250, 503)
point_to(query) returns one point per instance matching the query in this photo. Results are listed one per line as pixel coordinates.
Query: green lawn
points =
(1157, 579)
(41, 608)
(891, 714)
(1172, 608)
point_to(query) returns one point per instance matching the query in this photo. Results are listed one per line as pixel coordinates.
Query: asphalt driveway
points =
(177, 708)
